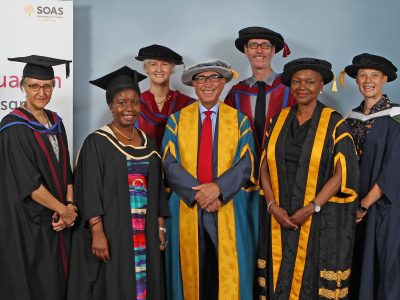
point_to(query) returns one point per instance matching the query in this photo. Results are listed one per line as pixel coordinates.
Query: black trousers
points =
(208, 255)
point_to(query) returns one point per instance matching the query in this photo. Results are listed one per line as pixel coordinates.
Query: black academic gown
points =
(101, 186)
(31, 264)
(314, 261)
(377, 249)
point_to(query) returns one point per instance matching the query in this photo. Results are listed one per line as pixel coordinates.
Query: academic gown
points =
(151, 120)
(279, 97)
(101, 186)
(314, 261)
(233, 155)
(377, 248)
(33, 257)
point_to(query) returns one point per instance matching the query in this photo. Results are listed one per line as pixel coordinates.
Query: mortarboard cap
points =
(41, 67)
(215, 65)
(371, 61)
(255, 32)
(118, 80)
(321, 66)
(159, 52)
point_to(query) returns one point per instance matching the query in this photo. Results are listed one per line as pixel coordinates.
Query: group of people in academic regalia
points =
(269, 194)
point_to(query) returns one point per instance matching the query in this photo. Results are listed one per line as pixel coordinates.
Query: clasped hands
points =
(207, 196)
(293, 221)
(64, 218)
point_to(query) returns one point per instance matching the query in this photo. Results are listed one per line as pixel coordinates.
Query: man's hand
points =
(207, 195)
(213, 207)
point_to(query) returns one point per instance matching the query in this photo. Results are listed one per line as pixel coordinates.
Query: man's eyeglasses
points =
(212, 78)
(35, 87)
(264, 45)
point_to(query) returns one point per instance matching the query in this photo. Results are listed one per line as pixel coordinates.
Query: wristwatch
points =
(363, 209)
(317, 208)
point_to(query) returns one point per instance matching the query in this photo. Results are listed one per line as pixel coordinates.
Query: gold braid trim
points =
(336, 276)
(333, 294)
(261, 281)
(261, 263)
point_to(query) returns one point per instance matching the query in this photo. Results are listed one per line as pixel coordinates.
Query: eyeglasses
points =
(264, 45)
(212, 78)
(35, 87)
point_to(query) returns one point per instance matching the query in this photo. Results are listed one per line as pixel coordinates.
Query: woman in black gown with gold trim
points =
(309, 176)
(116, 251)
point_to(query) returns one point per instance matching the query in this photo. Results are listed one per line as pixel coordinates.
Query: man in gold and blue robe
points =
(213, 227)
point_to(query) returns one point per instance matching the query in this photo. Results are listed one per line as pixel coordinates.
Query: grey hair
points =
(147, 60)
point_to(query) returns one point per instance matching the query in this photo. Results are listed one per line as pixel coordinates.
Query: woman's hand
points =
(163, 239)
(302, 214)
(68, 215)
(282, 217)
(100, 243)
(161, 233)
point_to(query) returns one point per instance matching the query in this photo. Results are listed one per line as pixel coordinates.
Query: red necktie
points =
(204, 161)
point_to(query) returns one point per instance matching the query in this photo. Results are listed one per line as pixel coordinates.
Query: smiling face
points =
(209, 92)
(259, 58)
(125, 107)
(38, 92)
(159, 71)
(306, 85)
(370, 83)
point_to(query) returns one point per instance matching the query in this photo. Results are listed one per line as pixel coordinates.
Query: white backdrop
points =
(41, 28)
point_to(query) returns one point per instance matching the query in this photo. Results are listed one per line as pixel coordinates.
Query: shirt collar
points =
(268, 80)
(214, 109)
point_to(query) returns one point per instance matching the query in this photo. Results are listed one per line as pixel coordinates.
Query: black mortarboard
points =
(41, 67)
(121, 79)
(321, 66)
(256, 32)
(370, 61)
(159, 52)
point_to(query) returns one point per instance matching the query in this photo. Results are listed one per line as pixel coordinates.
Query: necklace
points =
(161, 102)
(125, 136)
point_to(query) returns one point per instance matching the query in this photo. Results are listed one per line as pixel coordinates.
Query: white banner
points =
(40, 28)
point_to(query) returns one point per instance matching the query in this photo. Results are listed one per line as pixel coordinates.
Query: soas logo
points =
(29, 9)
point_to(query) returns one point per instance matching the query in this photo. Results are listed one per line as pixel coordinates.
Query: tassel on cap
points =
(334, 85)
(342, 76)
(67, 69)
(235, 73)
(286, 50)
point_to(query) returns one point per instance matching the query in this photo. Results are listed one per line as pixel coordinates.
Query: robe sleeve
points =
(177, 177)
(235, 178)
(242, 172)
(69, 171)
(18, 147)
(339, 213)
(345, 154)
(89, 179)
(163, 210)
(389, 176)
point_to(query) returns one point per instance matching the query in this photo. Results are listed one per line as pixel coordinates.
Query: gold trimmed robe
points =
(314, 261)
